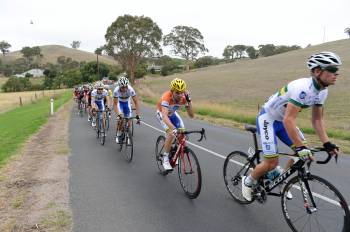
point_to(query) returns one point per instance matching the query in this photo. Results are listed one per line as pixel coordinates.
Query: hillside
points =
(239, 88)
(51, 52)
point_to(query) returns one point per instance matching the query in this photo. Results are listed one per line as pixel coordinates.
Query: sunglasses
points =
(178, 92)
(100, 89)
(331, 69)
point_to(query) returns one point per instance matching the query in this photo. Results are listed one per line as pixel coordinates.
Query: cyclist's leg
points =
(168, 140)
(283, 136)
(121, 110)
(265, 127)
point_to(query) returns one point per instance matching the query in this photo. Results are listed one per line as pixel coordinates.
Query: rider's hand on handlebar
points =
(331, 148)
(304, 153)
(174, 132)
(138, 119)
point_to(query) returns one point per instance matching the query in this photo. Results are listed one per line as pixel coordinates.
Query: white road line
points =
(223, 157)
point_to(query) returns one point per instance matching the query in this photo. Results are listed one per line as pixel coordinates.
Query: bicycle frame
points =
(181, 146)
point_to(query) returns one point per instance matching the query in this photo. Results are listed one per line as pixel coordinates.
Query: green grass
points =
(18, 125)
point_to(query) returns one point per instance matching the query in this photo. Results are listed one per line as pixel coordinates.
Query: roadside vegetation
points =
(19, 124)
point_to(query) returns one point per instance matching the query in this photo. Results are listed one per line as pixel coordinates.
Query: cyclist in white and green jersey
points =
(278, 116)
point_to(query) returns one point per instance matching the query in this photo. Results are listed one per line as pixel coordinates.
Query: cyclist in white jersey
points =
(123, 94)
(278, 116)
(97, 100)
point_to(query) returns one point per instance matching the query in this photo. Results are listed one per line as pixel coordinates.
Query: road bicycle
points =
(100, 119)
(126, 138)
(184, 158)
(316, 205)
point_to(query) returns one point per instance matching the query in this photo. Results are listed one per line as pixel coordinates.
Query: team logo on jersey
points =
(302, 95)
(266, 132)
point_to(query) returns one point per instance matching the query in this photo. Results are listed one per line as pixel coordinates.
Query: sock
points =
(249, 181)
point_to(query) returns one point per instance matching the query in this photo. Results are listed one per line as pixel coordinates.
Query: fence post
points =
(36, 97)
(20, 101)
(51, 106)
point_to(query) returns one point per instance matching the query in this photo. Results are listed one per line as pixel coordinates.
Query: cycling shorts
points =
(175, 119)
(271, 129)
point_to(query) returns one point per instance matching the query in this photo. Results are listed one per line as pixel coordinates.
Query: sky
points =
(221, 22)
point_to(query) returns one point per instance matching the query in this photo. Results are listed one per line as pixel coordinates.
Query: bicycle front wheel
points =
(129, 147)
(235, 167)
(190, 174)
(329, 212)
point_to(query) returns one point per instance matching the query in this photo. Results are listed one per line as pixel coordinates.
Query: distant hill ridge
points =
(51, 52)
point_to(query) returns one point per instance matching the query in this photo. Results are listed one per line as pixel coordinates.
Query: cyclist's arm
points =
(93, 104)
(289, 122)
(115, 105)
(318, 123)
(108, 101)
(137, 106)
(166, 119)
(189, 110)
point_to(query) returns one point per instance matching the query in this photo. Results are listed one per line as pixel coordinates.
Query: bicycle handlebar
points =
(202, 132)
(329, 157)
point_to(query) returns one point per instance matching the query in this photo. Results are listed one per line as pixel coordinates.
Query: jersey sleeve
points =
(297, 94)
(321, 98)
(165, 101)
(132, 91)
(93, 93)
(116, 92)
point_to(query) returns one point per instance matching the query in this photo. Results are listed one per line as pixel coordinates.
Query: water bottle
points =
(274, 173)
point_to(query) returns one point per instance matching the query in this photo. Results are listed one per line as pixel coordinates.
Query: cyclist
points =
(278, 116)
(170, 120)
(122, 103)
(97, 101)
(80, 96)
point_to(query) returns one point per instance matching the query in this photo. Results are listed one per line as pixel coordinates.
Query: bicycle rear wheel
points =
(129, 147)
(159, 150)
(330, 214)
(190, 174)
(235, 167)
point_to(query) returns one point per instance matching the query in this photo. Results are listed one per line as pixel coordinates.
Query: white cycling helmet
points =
(99, 85)
(123, 81)
(323, 59)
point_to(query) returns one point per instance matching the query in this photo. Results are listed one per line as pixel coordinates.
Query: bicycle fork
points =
(184, 163)
(306, 191)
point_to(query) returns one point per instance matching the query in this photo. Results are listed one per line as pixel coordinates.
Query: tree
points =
(75, 44)
(31, 53)
(347, 31)
(229, 53)
(205, 61)
(49, 79)
(72, 77)
(89, 71)
(252, 52)
(4, 47)
(239, 50)
(131, 38)
(186, 42)
(267, 50)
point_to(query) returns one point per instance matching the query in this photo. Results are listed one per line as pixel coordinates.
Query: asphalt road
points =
(109, 194)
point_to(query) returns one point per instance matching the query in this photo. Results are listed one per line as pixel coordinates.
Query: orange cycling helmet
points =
(178, 85)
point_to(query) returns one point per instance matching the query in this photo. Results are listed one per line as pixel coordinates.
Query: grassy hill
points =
(51, 52)
(237, 89)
